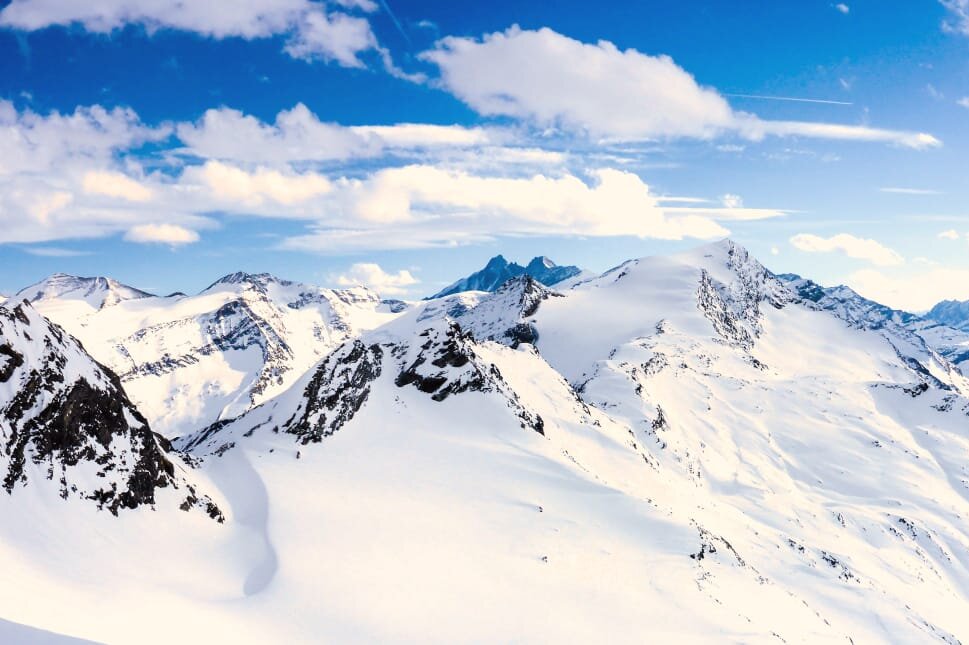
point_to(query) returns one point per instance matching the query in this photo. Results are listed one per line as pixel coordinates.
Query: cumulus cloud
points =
(72, 177)
(843, 8)
(419, 206)
(951, 234)
(854, 247)
(964, 102)
(314, 31)
(243, 188)
(115, 184)
(371, 275)
(38, 143)
(337, 37)
(551, 80)
(170, 234)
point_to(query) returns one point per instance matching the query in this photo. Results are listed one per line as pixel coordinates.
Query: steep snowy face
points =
(65, 421)
(499, 270)
(81, 294)
(816, 441)
(190, 361)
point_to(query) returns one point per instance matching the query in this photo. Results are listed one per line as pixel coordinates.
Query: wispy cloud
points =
(53, 251)
(958, 20)
(908, 191)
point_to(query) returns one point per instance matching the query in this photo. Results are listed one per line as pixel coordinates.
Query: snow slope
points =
(189, 361)
(681, 449)
(938, 333)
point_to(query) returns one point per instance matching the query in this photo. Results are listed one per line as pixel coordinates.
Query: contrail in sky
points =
(788, 98)
(396, 22)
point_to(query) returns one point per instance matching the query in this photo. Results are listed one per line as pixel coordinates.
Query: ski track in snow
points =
(245, 490)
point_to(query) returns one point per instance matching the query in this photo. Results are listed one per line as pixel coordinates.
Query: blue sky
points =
(166, 147)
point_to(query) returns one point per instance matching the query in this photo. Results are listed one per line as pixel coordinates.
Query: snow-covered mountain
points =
(953, 313)
(66, 424)
(79, 294)
(499, 270)
(189, 361)
(683, 448)
(930, 332)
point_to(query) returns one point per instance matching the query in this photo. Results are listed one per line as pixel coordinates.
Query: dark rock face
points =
(337, 391)
(69, 411)
(446, 365)
(503, 315)
(728, 325)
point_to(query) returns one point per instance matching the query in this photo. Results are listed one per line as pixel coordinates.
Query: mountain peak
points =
(242, 278)
(97, 291)
(953, 313)
(498, 271)
(539, 263)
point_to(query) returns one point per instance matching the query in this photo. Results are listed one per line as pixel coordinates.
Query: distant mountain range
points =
(690, 445)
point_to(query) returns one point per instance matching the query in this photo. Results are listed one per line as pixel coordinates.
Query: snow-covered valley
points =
(683, 448)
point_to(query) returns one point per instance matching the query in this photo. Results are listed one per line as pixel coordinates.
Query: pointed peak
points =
(539, 263)
(497, 261)
(242, 277)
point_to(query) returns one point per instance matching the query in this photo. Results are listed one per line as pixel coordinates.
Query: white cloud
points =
(314, 32)
(298, 135)
(774, 250)
(371, 275)
(420, 206)
(336, 36)
(958, 21)
(240, 187)
(964, 102)
(170, 234)
(37, 143)
(74, 179)
(854, 247)
(911, 291)
(554, 81)
(843, 8)
(115, 184)
(951, 234)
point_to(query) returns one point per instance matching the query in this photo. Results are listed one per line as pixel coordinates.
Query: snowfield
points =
(685, 448)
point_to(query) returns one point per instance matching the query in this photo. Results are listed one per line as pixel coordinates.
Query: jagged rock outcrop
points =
(66, 419)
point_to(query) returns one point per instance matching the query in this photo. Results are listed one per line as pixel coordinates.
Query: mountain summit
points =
(499, 270)
(97, 292)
